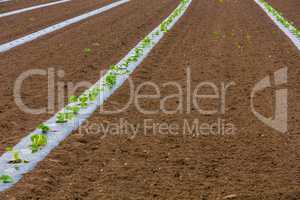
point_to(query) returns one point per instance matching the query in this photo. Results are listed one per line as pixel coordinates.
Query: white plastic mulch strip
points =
(59, 131)
(287, 31)
(33, 36)
(1, 1)
(32, 8)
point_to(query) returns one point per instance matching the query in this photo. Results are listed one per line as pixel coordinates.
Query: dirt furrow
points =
(16, 26)
(109, 36)
(239, 45)
(15, 5)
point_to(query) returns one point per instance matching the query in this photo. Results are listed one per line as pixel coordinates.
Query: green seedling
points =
(94, 93)
(74, 109)
(138, 52)
(163, 27)
(279, 17)
(61, 118)
(73, 99)
(83, 101)
(146, 42)
(92, 96)
(38, 141)
(64, 117)
(87, 51)
(134, 58)
(117, 70)
(69, 115)
(127, 62)
(44, 128)
(16, 156)
(111, 80)
(216, 35)
(184, 1)
(6, 179)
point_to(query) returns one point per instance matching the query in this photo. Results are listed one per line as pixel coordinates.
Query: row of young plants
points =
(80, 103)
(279, 17)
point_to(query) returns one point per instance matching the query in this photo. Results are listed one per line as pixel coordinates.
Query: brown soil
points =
(240, 44)
(110, 36)
(19, 25)
(289, 8)
(19, 4)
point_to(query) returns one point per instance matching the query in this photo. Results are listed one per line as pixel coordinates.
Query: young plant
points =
(44, 128)
(163, 27)
(138, 52)
(118, 70)
(83, 101)
(38, 141)
(73, 99)
(64, 117)
(74, 109)
(61, 118)
(16, 156)
(135, 58)
(111, 80)
(127, 62)
(6, 179)
(87, 52)
(94, 93)
(216, 35)
(146, 42)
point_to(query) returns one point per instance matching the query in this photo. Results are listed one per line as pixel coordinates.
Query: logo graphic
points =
(279, 121)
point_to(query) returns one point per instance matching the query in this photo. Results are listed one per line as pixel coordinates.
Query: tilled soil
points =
(19, 4)
(109, 35)
(289, 8)
(240, 44)
(22, 24)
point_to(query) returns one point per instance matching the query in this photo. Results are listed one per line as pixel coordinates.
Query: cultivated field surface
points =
(218, 52)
